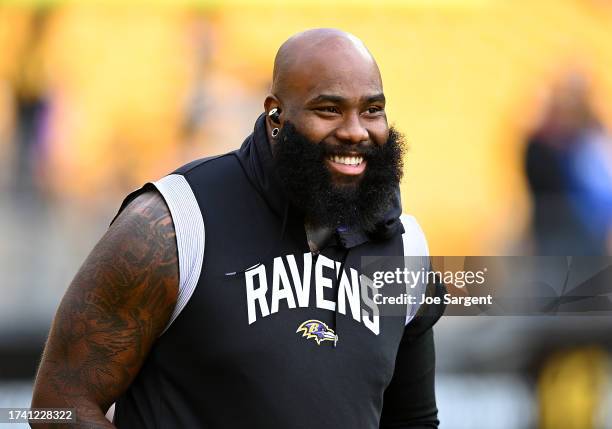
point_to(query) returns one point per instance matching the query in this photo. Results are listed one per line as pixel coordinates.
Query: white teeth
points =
(347, 160)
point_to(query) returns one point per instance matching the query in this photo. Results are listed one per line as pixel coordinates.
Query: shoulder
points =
(415, 242)
(145, 208)
(136, 260)
(145, 234)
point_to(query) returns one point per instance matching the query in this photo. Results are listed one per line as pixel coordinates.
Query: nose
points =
(351, 130)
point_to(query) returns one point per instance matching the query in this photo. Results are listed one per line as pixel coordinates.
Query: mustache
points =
(363, 149)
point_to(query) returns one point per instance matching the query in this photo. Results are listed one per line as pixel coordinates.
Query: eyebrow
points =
(375, 98)
(338, 99)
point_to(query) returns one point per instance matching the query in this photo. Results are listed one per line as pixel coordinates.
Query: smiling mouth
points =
(347, 160)
(348, 165)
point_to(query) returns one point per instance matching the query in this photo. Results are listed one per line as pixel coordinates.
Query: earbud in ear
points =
(274, 115)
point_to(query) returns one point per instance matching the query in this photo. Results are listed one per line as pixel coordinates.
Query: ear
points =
(272, 102)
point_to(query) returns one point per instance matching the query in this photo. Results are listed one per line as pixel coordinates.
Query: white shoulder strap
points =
(415, 246)
(189, 229)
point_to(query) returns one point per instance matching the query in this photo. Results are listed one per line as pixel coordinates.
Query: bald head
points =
(327, 85)
(319, 52)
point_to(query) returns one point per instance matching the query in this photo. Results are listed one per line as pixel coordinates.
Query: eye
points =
(372, 110)
(328, 109)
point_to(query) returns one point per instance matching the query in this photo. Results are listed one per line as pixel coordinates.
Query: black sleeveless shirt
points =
(267, 334)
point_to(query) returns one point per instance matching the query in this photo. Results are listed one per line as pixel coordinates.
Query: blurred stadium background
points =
(97, 98)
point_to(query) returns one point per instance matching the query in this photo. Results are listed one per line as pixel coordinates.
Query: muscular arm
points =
(117, 305)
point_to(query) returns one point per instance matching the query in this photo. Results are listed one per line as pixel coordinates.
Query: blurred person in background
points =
(162, 328)
(31, 107)
(572, 387)
(569, 170)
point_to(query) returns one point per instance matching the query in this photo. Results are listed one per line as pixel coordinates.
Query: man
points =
(228, 294)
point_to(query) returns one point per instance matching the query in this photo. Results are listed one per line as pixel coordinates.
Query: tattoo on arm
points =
(116, 306)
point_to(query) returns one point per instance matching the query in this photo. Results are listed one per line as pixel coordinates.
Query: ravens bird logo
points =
(318, 331)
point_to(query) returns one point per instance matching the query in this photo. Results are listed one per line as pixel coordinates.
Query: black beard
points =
(307, 181)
